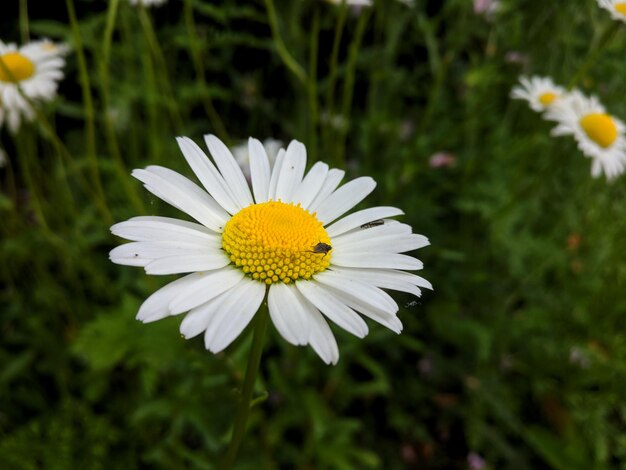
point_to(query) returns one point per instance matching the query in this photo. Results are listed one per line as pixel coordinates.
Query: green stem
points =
(284, 54)
(348, 85)
(24, 30)
(110, 134)
(196, 57)
(252, 369)
(312, 88)
(594, 52)
(90, 128)
(161, 64)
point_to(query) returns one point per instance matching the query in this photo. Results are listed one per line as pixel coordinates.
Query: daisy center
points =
(20, 67)
(276, 242)
(546, 99)
(621, 8)
(600, 128)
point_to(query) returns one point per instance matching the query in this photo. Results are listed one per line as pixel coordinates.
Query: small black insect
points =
(373, 223)
(322, 248)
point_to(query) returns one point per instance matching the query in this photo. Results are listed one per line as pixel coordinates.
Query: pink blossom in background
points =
(485, 7)
(442, 160)
(475, 461)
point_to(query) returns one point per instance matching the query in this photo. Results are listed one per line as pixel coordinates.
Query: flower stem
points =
(243, 411)
(594, 53)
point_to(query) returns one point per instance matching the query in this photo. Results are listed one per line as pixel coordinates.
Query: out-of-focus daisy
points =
(148, 3)
(486, 7)
(540, 92)
(616, 8)
(280, 240)
(35, 70)
(242, 155)
(599, 135)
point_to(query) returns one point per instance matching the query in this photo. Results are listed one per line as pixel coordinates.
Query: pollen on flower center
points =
(600, 128)
(275, 242)
(621, 8)
(21, 67)
(546, 99)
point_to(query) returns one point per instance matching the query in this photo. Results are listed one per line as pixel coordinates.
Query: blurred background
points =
(517, 360)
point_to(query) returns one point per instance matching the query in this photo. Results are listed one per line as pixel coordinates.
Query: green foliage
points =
(519, 355)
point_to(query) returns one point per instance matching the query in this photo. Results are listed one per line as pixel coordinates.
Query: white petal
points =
(230, 170)
(291, 171)
(344, 199)
(331, 307)
(206, 287)
(390, 321)
(208, 175)
(143, 253)
(388, 279)
(197, 320)
(278, 164)
(181, 193)
(388, 229)
(391, 244)
(376, 260)
(259, 170)
(288, 314)
(361, 217)
(321, 338)
(333, 178)
(234, 314)
(187, 263)
(361, 291)
(154, 228)
(155, 307)
(311, 185)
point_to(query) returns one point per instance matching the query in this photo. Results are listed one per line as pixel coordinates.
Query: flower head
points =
(599, 135)
(540, 92)
(617, 8)
(35, 70)
(278, 240)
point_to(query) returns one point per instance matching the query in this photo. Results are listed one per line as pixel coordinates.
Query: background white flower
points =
(599, 135)
(540, 92)
(281, 238)
(616, 8)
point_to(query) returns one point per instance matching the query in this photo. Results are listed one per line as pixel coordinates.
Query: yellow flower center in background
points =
(600, 128)
(20, 67)
(546, 99)
(274, 242)
(621, 8)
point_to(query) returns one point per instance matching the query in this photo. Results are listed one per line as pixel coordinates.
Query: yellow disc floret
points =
(621, 8)
(600, 128)
(546, 99)
(276, 242)
(20, 67)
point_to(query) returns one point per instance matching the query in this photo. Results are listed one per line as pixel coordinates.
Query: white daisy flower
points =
(280, 240)
(616, 8)
(540, 92)
(353, 3)
(147, 3)
(37, 72)
(242, 155)
(598, 134)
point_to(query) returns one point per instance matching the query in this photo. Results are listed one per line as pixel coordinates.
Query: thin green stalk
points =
(24, 29)
(111, 136)
(334, 57)
(312, 88)
(159, 58)
(245, 402)
(594, 52)
(23, 157)
(90, 129)
(348, 85)
(283, 53)
(196, 57)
